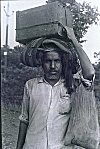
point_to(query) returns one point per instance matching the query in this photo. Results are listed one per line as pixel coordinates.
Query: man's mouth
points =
(53, 72)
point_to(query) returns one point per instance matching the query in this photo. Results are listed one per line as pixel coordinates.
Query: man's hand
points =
(70, 33)
(22, 135)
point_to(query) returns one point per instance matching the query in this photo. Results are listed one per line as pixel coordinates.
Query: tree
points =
(17, 75)
(97, 75)
(97, 56)
(97, 87)
(83, 17)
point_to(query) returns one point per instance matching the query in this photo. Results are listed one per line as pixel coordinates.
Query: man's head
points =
(58, 62)
(52, 65)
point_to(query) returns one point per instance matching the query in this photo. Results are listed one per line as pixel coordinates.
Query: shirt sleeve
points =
(88, 84)
(24, 117)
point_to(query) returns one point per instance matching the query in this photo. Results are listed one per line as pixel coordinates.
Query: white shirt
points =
(46, 109)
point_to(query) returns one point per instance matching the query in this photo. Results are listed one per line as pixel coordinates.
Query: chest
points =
(46, 97)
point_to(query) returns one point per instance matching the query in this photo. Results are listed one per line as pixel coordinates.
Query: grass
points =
(10, 126)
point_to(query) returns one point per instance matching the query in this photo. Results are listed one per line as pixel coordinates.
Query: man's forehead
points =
(52, 54)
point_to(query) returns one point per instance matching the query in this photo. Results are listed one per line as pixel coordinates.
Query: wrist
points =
(76, 44)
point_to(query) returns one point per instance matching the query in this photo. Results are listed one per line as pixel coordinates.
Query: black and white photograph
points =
(50, 74)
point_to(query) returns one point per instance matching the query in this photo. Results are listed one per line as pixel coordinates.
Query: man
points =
(46, 103)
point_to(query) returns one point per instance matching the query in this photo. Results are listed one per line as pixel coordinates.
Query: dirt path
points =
(10, 125)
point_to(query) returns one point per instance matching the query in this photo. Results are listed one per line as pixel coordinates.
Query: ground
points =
(10, 124)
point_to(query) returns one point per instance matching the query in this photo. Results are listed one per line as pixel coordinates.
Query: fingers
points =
(70, 32)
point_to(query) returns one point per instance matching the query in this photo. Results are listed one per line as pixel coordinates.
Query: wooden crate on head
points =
(43, 21)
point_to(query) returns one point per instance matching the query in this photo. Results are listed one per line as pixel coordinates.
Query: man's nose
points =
(52, 64)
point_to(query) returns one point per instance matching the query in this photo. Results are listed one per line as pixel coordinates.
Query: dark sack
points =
(83, 129)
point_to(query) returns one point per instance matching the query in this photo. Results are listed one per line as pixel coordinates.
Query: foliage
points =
(97, 75)
(17, 75)
(83, 17)
(97, 56)
(97, 80)
(97, 87)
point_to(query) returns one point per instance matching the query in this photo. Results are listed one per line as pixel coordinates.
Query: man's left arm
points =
(87, 68)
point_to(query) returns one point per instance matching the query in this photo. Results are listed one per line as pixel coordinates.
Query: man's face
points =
(52, 65)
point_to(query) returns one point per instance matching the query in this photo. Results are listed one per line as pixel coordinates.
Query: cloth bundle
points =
(29, 55)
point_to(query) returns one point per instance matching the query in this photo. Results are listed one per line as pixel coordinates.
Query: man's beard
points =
(52, 76)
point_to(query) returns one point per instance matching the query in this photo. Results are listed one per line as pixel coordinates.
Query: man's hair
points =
(70, 63)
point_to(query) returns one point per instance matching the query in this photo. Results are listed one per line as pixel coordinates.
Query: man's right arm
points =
(24, 118)
(22, 135)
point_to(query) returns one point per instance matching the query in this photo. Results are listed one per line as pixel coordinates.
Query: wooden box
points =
(46, 20)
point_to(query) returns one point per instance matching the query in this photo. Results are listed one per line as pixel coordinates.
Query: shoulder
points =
(32, 82)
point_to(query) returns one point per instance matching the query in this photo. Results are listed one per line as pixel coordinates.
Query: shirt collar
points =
(42, 80)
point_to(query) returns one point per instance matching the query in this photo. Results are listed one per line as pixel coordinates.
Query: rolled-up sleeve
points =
(88, 84)
(24, 117)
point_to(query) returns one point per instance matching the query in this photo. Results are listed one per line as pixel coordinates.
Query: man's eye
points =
(47, 61)
(57, 61)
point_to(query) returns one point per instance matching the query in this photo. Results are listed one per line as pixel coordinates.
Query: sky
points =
(93, 35)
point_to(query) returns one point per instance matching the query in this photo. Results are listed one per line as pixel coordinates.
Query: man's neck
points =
(52, 82)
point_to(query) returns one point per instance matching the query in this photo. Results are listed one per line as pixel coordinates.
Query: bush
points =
(16, 76)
